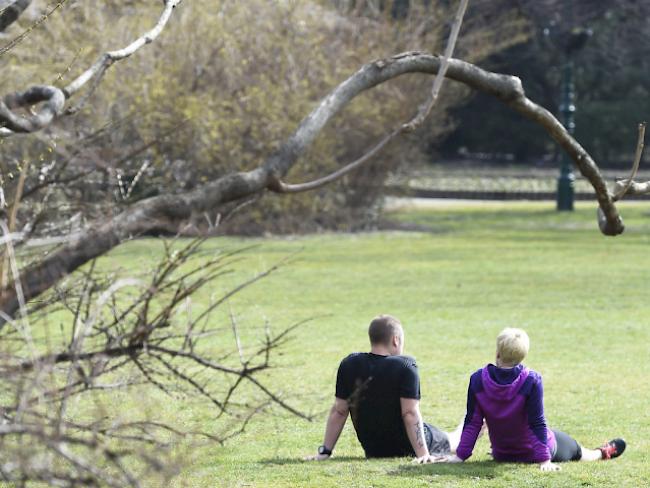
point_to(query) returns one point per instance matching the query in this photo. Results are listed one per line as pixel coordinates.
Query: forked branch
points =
(52, 99)
(279, 186)
(107, 59)
(628, 185)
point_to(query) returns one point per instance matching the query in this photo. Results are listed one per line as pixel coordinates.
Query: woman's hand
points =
(549, 466)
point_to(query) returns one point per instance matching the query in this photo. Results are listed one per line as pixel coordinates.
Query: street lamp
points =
(566, 181)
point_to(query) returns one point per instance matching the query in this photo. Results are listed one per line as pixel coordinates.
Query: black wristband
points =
(324, 450)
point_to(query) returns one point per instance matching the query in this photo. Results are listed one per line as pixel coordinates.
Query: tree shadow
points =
(474, 469)
(279, 461)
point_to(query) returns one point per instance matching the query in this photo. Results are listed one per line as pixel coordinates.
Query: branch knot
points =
(52, 98)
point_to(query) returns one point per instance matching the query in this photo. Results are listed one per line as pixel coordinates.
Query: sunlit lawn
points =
(471, 271)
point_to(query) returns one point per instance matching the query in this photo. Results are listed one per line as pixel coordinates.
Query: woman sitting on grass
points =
(509, 397)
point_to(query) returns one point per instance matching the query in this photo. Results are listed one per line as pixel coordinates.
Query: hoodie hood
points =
(499, 391)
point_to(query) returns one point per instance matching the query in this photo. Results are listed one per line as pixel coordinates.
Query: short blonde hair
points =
(512, 345)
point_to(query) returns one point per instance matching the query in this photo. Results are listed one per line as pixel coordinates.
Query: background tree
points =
(610, 73)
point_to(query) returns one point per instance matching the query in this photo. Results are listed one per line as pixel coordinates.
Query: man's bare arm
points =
(414, 427)
(335, 423)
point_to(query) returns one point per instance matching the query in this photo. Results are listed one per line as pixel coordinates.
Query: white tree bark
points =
(52, 99)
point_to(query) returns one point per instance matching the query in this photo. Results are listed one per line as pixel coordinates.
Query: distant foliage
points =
(221, 89)
(611, 70)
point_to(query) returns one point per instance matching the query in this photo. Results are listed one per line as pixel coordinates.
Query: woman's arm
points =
(537, 421)
(473, 424)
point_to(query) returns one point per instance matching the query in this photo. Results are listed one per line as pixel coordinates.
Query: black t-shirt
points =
(373, 386)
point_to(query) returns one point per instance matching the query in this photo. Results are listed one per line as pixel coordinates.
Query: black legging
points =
(567, 449)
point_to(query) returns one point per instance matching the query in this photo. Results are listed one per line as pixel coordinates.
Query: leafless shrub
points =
(78, 366)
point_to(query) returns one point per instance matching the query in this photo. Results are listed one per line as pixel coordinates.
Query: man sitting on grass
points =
(509, 397)
(381, 392)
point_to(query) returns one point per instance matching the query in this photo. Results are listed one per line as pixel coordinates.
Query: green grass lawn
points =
(582, 297)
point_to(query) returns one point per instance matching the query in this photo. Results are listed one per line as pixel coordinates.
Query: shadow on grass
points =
(338, 459)
(475, 469)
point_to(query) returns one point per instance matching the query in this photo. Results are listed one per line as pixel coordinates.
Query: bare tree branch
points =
(4, 256)
(167, 212)
(107, 59)
(426, 107)
(507, 89)
(10, 14)
(143, 347)
(279, 186)
(53, 99)
(246, 373)
(17, 40)
(630, 186)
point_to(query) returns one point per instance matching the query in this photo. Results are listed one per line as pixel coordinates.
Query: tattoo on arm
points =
(419, 428)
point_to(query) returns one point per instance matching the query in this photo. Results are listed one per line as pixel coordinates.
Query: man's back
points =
(373, 385)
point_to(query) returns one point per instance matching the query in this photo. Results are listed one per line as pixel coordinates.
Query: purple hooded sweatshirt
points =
(511, 400)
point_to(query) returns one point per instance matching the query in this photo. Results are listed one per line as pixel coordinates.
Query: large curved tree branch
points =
(167, 212)
(279, 186)
(507, 89)
(52, 98)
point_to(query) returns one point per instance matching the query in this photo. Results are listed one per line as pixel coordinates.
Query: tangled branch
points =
(51, 99)
(126, 335)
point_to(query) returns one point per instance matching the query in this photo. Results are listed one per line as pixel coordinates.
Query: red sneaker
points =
(613, 449)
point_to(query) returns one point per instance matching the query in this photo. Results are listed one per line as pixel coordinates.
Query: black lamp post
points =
(566, 180)
(575, 41)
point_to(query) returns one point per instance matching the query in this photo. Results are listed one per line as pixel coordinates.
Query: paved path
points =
(394, 203)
